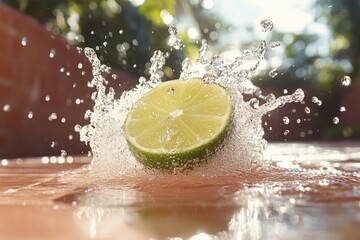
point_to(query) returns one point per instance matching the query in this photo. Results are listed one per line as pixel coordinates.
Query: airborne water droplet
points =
(346, 81)
(286, 120)
(52, 53)
(24, 41)
(298, 95)
(307, 110)
(7, 108)
(336, 120)
(30, 115)
(316, 101)
(274, 45)
(273, 73)
(342, 109)
(266, 25)
(172, 30)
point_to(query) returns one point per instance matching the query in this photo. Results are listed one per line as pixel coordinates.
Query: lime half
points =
(178, 123)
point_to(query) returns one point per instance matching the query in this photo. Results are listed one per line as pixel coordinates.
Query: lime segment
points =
(178, 123)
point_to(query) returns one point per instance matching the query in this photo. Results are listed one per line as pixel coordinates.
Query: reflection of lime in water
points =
(178, 123)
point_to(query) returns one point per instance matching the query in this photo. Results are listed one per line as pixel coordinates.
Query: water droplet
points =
(336, 120)
(342, 109)
(77, 128)
(172, 30)
(52, 53)
(307, 110)
(63, 153)
(52, 144)
(52, 116)
(298, 95)
(114, 76)
(24, 41)
(104, 44)
(286, 120)
(346, 81)
(254, 103)
(274, 45)
(7, 108)
(298, 120)
(273, 73)
(47, 98)
(171, 91)
(175, 42)
(266, 25)
(316, 101)
(209, 78)
(62, 69)
(270, 98)
(80, 66)
(285, 91)
(30, 115)
(286, 132)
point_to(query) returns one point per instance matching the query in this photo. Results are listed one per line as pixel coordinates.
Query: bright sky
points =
(287, 16)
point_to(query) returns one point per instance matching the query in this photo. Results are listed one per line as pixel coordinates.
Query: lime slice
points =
(178, 123)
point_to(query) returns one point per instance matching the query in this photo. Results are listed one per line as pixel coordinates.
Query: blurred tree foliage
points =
(124, 34)
(343, 19)
(320, 64)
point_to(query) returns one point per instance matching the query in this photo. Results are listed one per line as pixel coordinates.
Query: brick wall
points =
(45, 66)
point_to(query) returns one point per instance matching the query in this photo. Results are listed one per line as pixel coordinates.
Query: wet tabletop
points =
(309, 191)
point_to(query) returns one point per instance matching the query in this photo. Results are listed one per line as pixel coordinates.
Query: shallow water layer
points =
(310, 191)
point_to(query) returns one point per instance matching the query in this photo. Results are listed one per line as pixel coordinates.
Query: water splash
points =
(243, 149)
